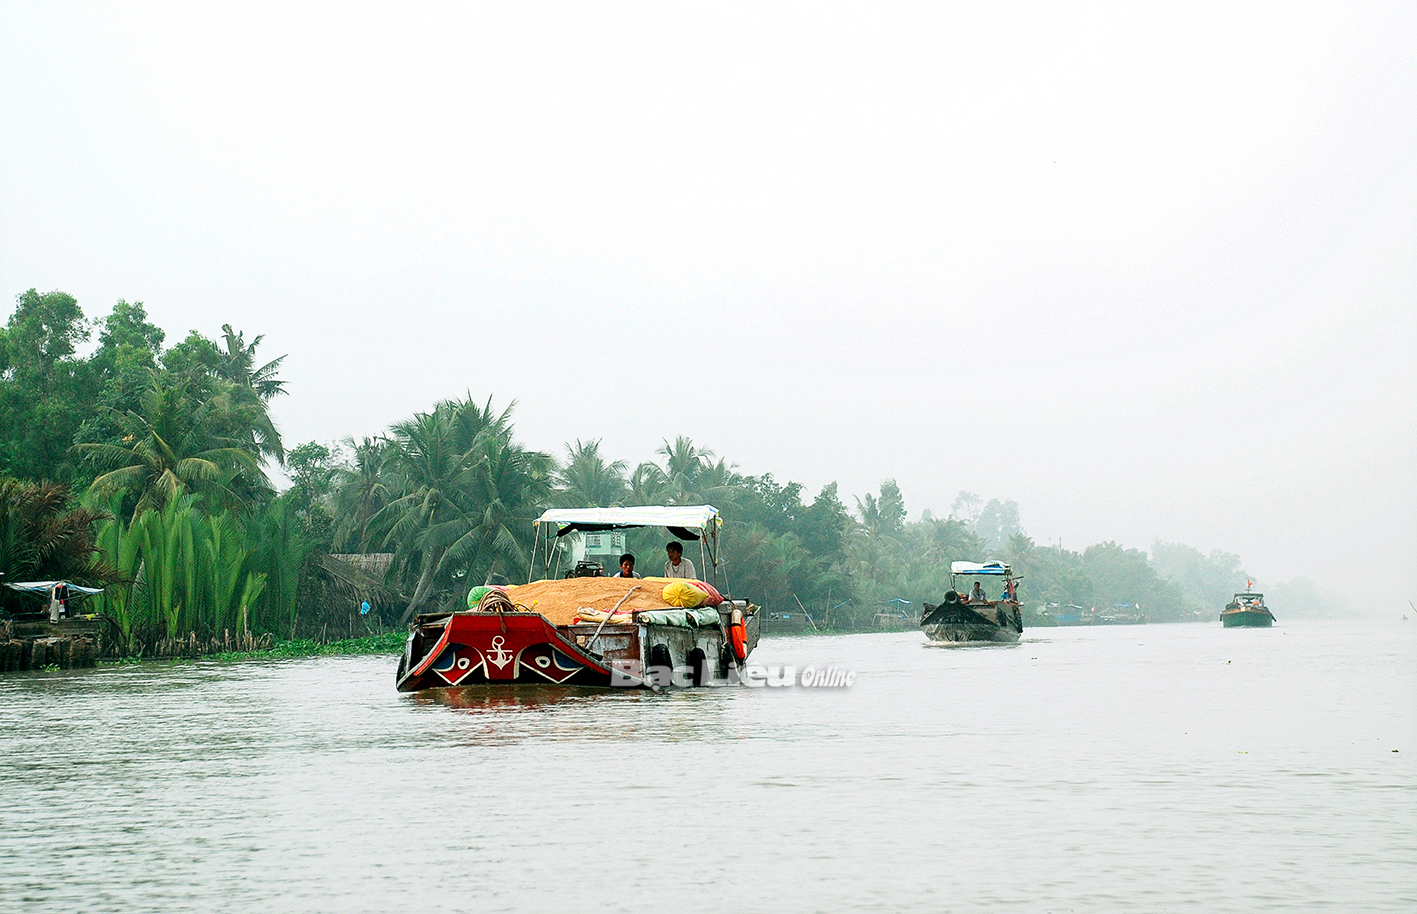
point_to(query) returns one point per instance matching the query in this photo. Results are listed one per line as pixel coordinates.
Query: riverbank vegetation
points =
(144, 469)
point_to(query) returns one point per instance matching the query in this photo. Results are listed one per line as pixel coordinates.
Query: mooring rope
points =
(495, 601)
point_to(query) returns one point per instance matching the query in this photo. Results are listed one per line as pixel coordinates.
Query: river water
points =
(1118, 769)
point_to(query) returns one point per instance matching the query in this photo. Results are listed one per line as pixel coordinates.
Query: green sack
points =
(475, 595)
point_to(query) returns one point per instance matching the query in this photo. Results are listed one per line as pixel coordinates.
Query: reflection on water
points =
(504, 698)
(1118, 770)
(974, 645)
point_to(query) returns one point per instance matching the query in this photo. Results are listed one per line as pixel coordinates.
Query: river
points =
(1121, 769)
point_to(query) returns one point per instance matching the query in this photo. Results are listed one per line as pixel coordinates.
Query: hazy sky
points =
(1151, 271)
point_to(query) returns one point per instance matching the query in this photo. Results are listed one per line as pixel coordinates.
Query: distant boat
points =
(1247, 610)
(962, 621)
(1123, 614)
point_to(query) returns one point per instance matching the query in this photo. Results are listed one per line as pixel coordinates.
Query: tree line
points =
(144, 468)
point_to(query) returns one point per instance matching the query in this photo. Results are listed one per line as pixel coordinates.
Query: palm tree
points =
(682, 465)
(226, 550)
(508, 488)
(465, 497)
(648, 485)
(167, 449)
(121, 548)
(238, 413)
(238, 365)
(952, 540)
(45, 536)
(1020, 544)
(361, 489)
(471, 422)
(424, 519)
(588, 481)
(718, 484)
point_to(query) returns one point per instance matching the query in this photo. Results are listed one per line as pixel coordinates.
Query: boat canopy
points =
(591, 520)
(699, 523)
(47, 586)
(998, 568)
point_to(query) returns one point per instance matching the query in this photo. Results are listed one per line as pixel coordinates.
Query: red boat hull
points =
(496, 648)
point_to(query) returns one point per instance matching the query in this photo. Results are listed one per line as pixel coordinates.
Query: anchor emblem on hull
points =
(498, 653)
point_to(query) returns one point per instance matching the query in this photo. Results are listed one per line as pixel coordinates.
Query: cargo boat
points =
(959, 620)
(589, 630)
(1247, 610)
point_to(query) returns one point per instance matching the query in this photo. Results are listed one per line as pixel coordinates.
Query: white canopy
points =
(976, 568)
(697, 517)
(47, 586)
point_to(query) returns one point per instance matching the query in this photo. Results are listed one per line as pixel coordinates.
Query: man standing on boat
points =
(678, 566)
(977, 594)
(627, 566)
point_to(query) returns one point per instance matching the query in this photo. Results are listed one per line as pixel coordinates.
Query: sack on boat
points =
(588, 614)
(475, 595)
(684, 594)
(714, 597)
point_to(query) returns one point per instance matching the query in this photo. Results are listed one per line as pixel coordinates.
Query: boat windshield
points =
(695, 523)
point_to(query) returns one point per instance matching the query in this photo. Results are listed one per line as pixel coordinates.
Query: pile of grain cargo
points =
(559, 600)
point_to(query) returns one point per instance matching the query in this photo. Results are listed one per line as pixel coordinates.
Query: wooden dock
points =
(69, 644)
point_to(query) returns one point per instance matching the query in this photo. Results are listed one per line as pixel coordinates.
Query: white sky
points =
(1149, 271)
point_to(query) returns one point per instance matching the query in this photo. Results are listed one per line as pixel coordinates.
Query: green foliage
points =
(1125, 576)
(1054, 576)
(387, 643)
(167, 448)
(181, 519)
(883, 516)
(45, 536)
(360, 490)
(1207, 581)
(997, 524)
(588, 481)
(122, 368)
(464, 495)
(123, 549)
(237, 365)
(45, 389)
(284, 548)
(183, 570)
(781, 551)
(312, 468)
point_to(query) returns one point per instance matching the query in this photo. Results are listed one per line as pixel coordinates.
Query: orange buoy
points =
(738, 635)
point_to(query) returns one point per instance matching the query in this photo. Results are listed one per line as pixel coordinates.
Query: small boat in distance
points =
(960, 619)
(1247, 610)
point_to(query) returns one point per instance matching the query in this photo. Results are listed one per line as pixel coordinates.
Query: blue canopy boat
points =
(958, 619)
